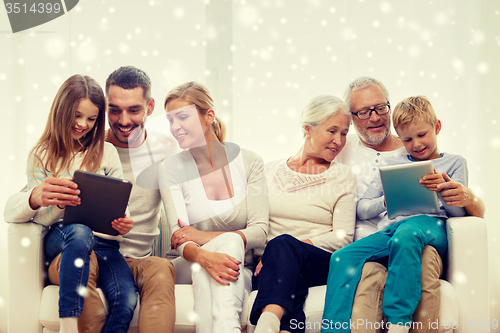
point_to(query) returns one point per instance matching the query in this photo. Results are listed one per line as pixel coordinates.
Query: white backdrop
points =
(264, 60)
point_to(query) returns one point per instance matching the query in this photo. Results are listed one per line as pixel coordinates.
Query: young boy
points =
(400, 240)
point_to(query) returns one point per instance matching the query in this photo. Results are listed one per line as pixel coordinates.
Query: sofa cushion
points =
(184, 302)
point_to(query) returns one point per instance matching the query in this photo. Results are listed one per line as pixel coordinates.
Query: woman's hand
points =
(122, 224)
(221, 267)
(432, 180)
(258, 268)
(188, 233)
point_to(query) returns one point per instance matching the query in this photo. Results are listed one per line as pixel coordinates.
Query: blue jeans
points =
(75, 242)
(289, 268)
(400, 244)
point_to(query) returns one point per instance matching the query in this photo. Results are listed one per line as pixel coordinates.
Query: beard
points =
(371, 139)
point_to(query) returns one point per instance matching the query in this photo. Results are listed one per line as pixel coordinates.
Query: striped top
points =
(47, 216)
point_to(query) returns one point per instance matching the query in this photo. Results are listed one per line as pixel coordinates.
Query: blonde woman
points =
(217, 208)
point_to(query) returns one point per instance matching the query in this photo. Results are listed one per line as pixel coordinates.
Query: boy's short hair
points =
(130, 77)
(414, 109)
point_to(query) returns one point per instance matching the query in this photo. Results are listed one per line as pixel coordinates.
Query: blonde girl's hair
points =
(413, 110)
(55, 148)
(199, 95)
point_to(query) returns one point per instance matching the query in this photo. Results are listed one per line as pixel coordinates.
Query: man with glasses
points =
(368, 100)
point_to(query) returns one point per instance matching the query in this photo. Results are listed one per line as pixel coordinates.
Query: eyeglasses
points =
(379, 110)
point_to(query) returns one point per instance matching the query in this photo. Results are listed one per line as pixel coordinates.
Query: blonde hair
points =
(319, 109)
(199, 95)
(414, 109)
(56, 143)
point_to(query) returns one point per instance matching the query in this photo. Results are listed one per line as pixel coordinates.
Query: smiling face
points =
(85, 118)
(376, 129)
(420, 140)
(326, 140)
(186, 124)
(127, 113)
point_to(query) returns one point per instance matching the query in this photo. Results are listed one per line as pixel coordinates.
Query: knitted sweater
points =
(321, 208)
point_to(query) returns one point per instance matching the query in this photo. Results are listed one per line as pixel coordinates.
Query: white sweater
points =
(185, 198)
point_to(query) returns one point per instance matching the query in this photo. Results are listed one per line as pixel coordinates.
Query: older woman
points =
(312, 212)
(217, 208)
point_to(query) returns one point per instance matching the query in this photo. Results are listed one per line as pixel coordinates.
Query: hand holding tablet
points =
(404, 194)
(103, 200)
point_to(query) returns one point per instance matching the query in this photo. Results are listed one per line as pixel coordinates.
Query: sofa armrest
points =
(468, 271)
(26, 275)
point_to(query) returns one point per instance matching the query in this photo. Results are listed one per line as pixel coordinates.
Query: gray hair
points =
(321, 108)
(361, 83)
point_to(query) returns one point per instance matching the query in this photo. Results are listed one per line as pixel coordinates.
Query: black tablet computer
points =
(404, 195)
(103, 199)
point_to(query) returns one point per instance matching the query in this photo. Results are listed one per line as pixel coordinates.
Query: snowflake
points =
(483, 68)
(495, 142)
(179, 12)
(55, 46)
(248, 15)
(386, 7)
(79, 262)
(195, 267)
(25, 242)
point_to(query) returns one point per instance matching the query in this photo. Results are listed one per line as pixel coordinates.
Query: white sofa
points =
(465, 296)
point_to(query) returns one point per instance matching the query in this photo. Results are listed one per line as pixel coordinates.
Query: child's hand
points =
(455, 194)
(432, 180)
(122, 224)
(55, 191)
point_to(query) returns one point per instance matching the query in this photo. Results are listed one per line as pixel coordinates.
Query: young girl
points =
(216, 206)
(74, 139)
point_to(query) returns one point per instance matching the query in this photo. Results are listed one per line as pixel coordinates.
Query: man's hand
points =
(55, 191)
(432, 180)
(122, 224)
(455, 194)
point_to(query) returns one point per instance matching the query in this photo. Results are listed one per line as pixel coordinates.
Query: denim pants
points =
(75, 242)
(289, 268)
(400, 244)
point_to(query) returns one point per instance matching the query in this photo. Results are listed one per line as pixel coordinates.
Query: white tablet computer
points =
(404, 195)
(103, 199)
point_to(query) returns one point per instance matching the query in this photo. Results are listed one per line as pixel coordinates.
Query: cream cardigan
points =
(321, 208)
(185, 197)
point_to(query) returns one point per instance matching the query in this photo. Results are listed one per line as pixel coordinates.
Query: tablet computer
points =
(103, 199)
(404, 195)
